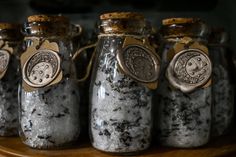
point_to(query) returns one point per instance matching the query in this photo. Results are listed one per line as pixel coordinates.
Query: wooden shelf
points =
(224, 146)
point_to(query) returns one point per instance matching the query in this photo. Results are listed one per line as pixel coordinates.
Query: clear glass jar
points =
(120, 106)
(183, 105)
(10, 47)
(222, 88)
(49, 111)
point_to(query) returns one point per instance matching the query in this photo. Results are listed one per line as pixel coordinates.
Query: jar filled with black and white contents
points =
(125, 69)
(222, 87)
(10, 47)
(183, 114)
(49, 111)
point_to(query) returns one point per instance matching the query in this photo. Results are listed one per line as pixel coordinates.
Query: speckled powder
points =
(49, 117)
(8, 99)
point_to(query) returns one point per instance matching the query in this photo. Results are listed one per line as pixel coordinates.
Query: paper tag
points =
(190, 68)
(138, 60)
(5, 53)
(41, 67)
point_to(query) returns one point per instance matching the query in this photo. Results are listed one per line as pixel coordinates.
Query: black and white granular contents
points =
(223, 101)
(8, 99)
(49, 117)
(120, 113)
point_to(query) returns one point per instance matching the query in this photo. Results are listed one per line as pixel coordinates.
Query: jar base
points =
(55, 147)
(122, 153)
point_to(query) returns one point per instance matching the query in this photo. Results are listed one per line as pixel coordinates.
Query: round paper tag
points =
(139, 63)
(41, 68)
(189, 69)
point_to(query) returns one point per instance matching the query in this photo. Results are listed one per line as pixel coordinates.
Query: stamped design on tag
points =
(41, 68)
(4, 60)
(139, 63)
(189, 69)
(5, 54)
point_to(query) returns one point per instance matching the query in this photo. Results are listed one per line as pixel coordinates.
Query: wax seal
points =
(189, 69)
(41, 68)
(5, 54)
(139, 63)
(4, 60)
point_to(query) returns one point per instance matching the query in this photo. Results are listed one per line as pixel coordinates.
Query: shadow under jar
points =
(222, 88)
(120, 102)
(10, 46)
(49, 111)
(183, 108)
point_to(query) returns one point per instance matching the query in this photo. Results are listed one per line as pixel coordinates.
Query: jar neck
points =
(194, 30)
(194, 38)
(124, 27)
(49, 29)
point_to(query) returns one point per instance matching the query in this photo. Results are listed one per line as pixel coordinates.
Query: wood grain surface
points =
(221, 147)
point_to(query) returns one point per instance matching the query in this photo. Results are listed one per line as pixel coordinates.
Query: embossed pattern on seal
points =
(139, 63)
(189, 69)
(41, 68)
(4, 60)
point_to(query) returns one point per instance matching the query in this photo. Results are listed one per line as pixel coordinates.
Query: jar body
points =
(8, 94)
(223, 92)
(49, 116)
(182, 119)
(120, 108)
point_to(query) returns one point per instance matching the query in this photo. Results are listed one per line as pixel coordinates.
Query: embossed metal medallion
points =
(41, 68)
(4, 60)
(139, 63)
(189, 69)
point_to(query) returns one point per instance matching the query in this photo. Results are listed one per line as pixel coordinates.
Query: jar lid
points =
(180, 20)
(123, 23)
(174, 28)
(47, 18)
(122, 15)
(46, 25)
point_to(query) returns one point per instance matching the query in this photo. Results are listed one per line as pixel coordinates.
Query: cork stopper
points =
(9, 26)
(171, 21)
(122, 15)
(47, 18)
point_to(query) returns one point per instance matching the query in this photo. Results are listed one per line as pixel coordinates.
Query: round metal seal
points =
(139, 63)
(41, 68)
(4, 60)
(189, 69)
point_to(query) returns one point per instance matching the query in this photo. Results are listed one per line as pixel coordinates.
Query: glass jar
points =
(10, 46)
(222, 88)
(183, 108)
(125, 69)
(49, 111)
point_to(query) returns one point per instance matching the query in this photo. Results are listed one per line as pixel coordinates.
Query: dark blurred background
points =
(86, 12)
